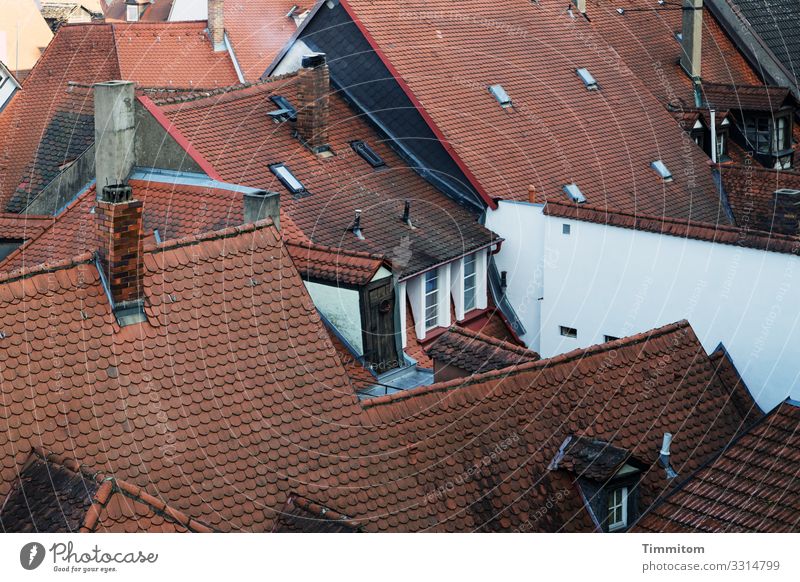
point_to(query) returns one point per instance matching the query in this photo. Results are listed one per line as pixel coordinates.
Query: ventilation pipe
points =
(664, 456)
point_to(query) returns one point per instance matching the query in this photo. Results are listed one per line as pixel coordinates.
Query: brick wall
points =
(119, 228)
(216, 23)
(313, 85)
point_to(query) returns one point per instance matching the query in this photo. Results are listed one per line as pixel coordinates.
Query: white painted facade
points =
(609, 281)
(183, 10)
(8, 86)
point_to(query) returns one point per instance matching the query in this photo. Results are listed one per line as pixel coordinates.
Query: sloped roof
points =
(55, 496)
(49, 120)
(752, 486)
(231, 128)
(746, 97)
(334, 265)
(218, 404)
(21, 226)
(157, 11)
(752, 199)
(472, 454)
(301, 515)
(589, 458)
(476, 352)
(557, 131)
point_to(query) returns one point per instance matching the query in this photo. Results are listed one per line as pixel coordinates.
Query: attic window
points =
(662, 170)
(366, 152)
(618, 509)
(587, 79)
(500, 94)
(568, 331)
(286, 177)
(283, 103)
(787, 192)
(574, 193)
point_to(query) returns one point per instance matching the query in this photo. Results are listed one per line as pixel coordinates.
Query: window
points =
(470, 282)
(366, 152)
(618, 509)
(661, 169)
(283, 103)
(431, 299)
(780, 138)
(609, 338)
(587, 79)
(722, 145)
(568, 331)
(500, 94)
(757, 133)
(574, 193)
(566, 229)
(286, 177)
(132, 13)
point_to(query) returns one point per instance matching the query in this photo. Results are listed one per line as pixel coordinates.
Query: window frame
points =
(469, 306)
(566, 331)
(283, 179)
(621, 506)
(433, 274)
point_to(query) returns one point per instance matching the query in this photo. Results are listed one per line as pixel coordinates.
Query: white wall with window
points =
(8, 85)
(341, 307)
(429, 296)
(468, 283)
(607, 281)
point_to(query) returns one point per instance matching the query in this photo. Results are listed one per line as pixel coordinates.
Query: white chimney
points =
(581, 5)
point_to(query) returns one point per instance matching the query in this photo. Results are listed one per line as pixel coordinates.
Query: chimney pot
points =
(261, 204)
(532, 194)
(216, 24)
(313, 82)
(692, 37)
(407, 213)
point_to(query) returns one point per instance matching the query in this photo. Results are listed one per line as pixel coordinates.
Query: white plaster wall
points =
(611, 281)
(188, 10)
(341, 307)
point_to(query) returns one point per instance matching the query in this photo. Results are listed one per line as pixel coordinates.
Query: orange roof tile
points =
(475, 352)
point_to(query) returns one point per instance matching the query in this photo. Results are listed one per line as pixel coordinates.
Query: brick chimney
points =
(118, 218)
(313, 85)
(216, 24)
(114, 132)
(259, 204)
(692, 37)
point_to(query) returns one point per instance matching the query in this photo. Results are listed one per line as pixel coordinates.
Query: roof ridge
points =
(50, 267)
(338, 250)
(200, 94)
(474, 334)
(229, 232)
(527, 366)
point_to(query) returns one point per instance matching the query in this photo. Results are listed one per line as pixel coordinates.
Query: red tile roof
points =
(232, 130)
(157, 11)
(301, 515)
(219, 404)
(41, 126)
(729, 235)
(333, 265)
(751, 196)
(475, 352)
(472, 454)
(753, 486)
(54, 495)
(747, 97)
(557, 132)
(22, 226)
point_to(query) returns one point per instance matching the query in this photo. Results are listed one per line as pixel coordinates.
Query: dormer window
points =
(132, 11)
(286, 178)
(500, 94)
(618, 509)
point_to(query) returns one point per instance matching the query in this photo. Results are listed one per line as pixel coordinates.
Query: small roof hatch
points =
(283, 103)
(574, 193)
(661, 169)
(366, 152)
(500, 94)
(286, 177)
(587, 78)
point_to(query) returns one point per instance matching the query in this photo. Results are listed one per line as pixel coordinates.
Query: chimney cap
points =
(313, 60)
(117, 193)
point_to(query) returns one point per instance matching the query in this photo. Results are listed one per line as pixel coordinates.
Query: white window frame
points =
(474, 259)
(457, 284)
(433, 296)
(415, 289)
(622, 505)
(132, 12)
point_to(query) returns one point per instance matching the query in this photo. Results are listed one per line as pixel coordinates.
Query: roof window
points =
(662, 170)
(283, 103)
(286, 177)
(574, 193)
(587, 79)
(500, 94)
(366, 152)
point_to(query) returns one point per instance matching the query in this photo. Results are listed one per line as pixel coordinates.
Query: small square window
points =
(609, 338)
(568, 331)
(500, 94)
(587, 78)
(286, 178)
(367, 153)
(566, 229)
(618, 509)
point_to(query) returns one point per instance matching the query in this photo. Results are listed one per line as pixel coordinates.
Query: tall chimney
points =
(114, 132)
(313, 82)
(118, 217)
(692, 37)
(216, 24)
(260, 204)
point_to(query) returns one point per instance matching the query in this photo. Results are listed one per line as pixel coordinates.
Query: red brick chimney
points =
(119, 241)
(313, 85)
(216, 24)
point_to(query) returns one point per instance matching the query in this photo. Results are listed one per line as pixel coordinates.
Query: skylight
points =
(662, 170)
(283, 103)
(366, 152)
(286, 177)
(574, 193)
(500, 94)
(587, 78)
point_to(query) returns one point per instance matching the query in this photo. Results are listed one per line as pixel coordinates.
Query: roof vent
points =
(290, 14)
(280, 115)
(662, 170)
(500, 94)
(587, 79)
(574, 193)
(356, 228)
(366, 152)
(407, 214)
(664, 456)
